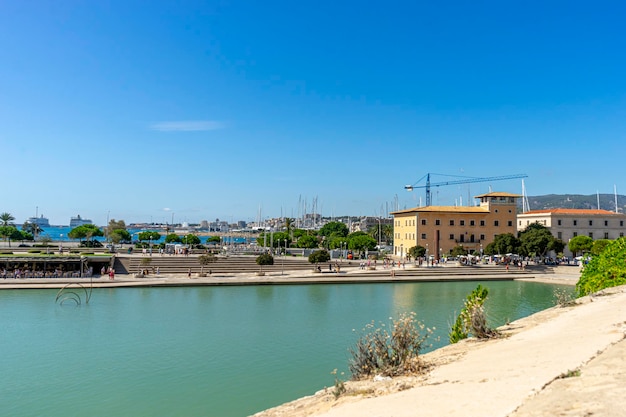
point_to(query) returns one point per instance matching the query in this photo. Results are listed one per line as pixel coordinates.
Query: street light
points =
(282, 264)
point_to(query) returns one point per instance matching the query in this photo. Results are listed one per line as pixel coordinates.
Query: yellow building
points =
(441, 228)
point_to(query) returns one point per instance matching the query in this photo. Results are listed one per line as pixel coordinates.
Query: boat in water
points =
(79, 221)
(39, 221)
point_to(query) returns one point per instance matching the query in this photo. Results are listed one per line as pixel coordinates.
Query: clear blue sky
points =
(137, 110)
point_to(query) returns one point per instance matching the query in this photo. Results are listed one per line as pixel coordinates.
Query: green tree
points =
(6, 219)
(608, 269)
(214, 240)
(264, 259)
(173, 238)
(9, 233)
(535, 240)
(118, 236)
(191, 240)
(599, 245)
(417, 252)
(458, 251)
(32, 228)
(361, 241)
(502, 244)
(557, 245)
(148, 236)
(580, 244)
(85, 231)
(205, 260)
(319, 256)
(334, 227)
(308, 242)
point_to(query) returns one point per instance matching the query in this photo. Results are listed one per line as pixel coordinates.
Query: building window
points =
(606, 235)
(423, 222)
(462, 222)
(472, 238)
(437, 222)
(451, 222)
(606, 222)
(451, 236)
(482, 222)
(621, 223)
(496, 210)
(575, 222)
(558, 222)
(575, 234)
(559, 235)
(591, 235)
(424, 236)
(496, 223)
(520, 222)
(510, 223)
(461, 238)
(590, 222)
(510, 211)
(621, 234)
(472, 223)
(482, 237)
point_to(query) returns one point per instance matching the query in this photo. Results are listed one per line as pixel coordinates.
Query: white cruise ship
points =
(79, 221)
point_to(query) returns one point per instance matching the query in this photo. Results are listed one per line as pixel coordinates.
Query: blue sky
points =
(148, 111)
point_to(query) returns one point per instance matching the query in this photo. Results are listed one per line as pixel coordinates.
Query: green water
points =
(208, 351)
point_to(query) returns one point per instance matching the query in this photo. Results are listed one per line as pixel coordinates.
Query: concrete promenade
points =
(348, 275)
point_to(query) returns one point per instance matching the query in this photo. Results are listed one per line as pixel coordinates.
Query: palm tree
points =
(6, 219)
(32, 228)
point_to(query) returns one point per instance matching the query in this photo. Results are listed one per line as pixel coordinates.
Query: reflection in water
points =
(215, 351)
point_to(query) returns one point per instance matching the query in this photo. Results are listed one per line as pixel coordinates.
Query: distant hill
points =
(577, 201)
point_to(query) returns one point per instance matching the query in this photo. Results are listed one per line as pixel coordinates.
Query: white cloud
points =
(187, 126)
(167, 209)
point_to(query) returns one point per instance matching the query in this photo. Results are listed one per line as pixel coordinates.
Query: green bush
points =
(608, 269)
(389, 353)
(34, 251)
(472, 319)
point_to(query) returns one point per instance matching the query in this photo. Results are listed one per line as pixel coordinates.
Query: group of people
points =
(110, 271)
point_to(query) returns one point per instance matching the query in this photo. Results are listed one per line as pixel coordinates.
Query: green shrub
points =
(608, 269)
(34, 251)
(389, 353)
(472, 319)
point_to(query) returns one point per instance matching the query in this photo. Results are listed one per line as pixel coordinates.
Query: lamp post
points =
(282, 263)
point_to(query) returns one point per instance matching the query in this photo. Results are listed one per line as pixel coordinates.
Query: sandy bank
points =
(519, 375)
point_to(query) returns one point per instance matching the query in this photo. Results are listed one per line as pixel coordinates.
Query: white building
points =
(565, 223)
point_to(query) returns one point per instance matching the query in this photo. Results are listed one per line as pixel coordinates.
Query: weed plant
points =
(389, 350)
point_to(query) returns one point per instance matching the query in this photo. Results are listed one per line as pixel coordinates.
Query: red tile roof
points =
(572, 211)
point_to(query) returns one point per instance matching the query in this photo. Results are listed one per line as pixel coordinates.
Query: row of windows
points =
(461, 237)
(559, 222)
(461, 223)
(495, 223)
(606, 235)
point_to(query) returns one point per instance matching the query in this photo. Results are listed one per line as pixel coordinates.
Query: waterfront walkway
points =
(349, 274)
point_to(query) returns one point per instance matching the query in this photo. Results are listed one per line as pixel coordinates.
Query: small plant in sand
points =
(389, 352)
(472, 319)
(340, 386)
(563, 297)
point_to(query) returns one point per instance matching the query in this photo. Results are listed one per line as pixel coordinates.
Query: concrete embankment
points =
(565, 361)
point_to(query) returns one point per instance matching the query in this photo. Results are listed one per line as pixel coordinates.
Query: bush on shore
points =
(472, 319)
(608, 269)
(389, 352)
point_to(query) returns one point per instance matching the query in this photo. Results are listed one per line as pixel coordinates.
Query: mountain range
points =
(577, 201)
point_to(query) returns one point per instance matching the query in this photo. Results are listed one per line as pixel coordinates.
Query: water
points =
(210, 351)
(59, 233)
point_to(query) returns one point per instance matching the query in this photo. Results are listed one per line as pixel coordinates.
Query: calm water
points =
(208, 351)
(59, 233)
